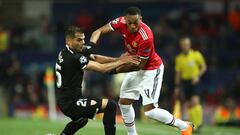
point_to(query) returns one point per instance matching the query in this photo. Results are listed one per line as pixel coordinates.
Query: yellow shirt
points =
(3, 41)
(189, 64)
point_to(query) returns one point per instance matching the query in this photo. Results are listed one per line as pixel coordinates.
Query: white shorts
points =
(146, 83)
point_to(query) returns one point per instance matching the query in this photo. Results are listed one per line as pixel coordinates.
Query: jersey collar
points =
(69, 49)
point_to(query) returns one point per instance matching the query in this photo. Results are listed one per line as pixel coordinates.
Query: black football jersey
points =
(69, 75)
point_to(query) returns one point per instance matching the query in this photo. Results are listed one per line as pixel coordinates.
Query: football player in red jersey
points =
(144, 79)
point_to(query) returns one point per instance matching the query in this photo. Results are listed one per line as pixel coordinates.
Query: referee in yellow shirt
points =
(189, 67)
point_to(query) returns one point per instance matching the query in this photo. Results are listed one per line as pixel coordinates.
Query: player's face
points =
(133, 22)
(185, 44)
(78, 41)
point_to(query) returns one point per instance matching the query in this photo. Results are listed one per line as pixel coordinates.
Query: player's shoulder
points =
(67, 55)
(119, 20)
(196, 52)
(145, 32)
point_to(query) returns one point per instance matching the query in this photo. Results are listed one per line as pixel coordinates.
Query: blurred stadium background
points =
(32, 33)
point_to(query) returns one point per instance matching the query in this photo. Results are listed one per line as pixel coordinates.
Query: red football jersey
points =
(140, 43)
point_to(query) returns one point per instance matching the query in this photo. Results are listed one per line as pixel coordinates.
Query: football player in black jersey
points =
(71, 63)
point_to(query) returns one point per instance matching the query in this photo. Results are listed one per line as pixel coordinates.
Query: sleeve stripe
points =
(143, 34)
(111, 26)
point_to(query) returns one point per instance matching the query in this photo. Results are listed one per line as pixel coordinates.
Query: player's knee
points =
(124, 101)
(111, 105)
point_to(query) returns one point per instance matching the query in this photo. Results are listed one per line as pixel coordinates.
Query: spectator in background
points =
(84, 20)
(234, 19)
(4, 39)
(227, 114)
(189, 67)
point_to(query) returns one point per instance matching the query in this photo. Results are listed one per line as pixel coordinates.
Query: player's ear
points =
(140, 17)
(68, 40)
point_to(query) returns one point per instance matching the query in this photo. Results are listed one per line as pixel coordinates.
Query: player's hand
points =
(130, 59)
(125, 54)
(195, 80)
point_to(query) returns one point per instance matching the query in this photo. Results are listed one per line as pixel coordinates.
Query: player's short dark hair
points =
(132, 11)
(71, 30)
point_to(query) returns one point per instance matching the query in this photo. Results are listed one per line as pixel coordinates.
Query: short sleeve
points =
(116, 23)
(144, 49)
(81, 61)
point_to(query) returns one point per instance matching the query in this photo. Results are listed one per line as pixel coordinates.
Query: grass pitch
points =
(45, 127)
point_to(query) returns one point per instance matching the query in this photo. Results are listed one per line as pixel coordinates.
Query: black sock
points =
(109, 118)
(73, 126)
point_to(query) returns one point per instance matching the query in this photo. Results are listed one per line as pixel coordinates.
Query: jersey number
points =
(147, 92)
(82, 102)
(58, 75)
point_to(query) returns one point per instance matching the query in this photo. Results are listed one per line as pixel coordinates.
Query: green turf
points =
(45, 127)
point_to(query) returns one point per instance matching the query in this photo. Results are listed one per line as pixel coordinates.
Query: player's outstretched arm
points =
(108, 67)
(103, 59)
(97, 33)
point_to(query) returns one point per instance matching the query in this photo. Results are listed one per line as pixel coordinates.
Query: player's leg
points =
(109, 109)
(150, 94)
(80, 111)
(73, 126)
(128, 115)
(129, 93)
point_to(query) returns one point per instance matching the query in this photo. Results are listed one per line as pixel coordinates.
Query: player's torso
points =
(68, 75)
(134, 41)
(189, 66)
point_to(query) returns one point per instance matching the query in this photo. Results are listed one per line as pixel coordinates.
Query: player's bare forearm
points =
(95, 36)
(103, 68)
(203, 69)
(104, 59)
(97, 33)
(111, 66)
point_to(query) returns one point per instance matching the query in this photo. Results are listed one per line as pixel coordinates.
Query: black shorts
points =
(83, 108)
(188, 88)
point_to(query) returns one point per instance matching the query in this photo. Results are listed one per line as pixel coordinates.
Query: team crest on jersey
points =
(132, 50)
(134, 44)
(83, 59)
